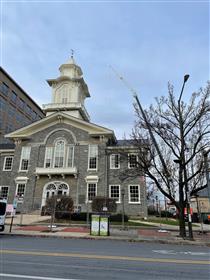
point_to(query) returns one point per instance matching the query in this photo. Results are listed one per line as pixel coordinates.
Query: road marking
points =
(32, 277)
(117, 258)
(172, 252)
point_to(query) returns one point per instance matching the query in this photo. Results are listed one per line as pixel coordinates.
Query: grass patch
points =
(169, 221)
(84, 223)
(131, 224)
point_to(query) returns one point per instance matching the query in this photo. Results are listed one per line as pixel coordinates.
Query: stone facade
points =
(71, 156)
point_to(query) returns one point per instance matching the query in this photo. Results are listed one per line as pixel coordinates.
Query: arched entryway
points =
(54, 188)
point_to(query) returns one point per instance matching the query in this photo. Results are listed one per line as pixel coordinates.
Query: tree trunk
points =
(182, 230)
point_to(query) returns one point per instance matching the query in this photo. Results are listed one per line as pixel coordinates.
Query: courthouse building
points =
(65, 154)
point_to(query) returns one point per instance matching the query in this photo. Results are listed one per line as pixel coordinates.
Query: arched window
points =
(54, 188)
(59, 153)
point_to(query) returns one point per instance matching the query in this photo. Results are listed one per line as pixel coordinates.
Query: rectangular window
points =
(13, 96)
(8, 161)
(21, 103)
(4, 88)
(93, 157)
(4, 190)
(25, 156)
(34, 115)
(11, 112)
(64, 100)
(21, 190)
(48, 157)
(9, 128)
(28, 109)
(59, 154)
(70, 156)
(91, 191)
(134, 194)
(132, 160)
(3, 105)
(115, 161)
(114, 192)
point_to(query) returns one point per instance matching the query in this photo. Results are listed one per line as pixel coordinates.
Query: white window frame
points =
(7, 191)
(67, 158)
(5, 163)
(64, 153)
(129, 194)
(17, 186)
(129, 164)
(114, 185)
(28, 153)
(113, 161)
(46, 156)
(87, 195)
(95, 152)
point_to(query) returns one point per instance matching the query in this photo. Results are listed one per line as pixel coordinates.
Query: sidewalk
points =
(34, 225)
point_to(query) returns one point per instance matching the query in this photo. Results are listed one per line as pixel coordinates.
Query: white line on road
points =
(172, 252)
(32, 277)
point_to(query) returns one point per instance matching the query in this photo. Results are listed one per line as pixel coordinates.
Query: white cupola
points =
(69, 91)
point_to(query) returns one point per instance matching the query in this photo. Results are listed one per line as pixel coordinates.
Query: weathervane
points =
(72, 53)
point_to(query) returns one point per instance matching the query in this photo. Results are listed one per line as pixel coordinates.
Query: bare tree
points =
(181, 131)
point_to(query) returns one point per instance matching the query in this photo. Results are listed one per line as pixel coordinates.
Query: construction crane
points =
(135, 96)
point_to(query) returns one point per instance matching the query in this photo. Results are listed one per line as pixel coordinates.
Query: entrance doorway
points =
(54, 188)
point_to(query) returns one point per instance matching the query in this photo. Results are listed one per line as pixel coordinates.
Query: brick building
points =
(64, 153)
(17, 108)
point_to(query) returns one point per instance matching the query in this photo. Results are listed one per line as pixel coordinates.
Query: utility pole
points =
(123, 208)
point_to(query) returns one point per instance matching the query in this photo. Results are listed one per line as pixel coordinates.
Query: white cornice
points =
(55, 118)
(6, 151)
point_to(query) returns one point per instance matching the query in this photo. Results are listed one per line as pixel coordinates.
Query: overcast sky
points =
(148, 42)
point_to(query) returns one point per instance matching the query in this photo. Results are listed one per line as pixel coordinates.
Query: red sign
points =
(185, 211)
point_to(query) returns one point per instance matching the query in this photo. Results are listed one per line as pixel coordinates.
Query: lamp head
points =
(186, 77)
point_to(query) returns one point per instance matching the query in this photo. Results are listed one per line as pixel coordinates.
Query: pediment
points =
(56, 118)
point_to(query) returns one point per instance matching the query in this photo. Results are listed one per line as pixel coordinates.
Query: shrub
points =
(118, 218)
(62, 206)
(82, 216)
(99, 202)
(166, 214)
(152, 211)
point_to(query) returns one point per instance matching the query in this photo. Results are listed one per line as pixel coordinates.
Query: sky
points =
(149, 43)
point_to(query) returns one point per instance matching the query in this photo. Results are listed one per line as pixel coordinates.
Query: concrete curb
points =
(112, 238)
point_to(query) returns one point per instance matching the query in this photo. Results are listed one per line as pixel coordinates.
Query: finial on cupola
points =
(72, 53)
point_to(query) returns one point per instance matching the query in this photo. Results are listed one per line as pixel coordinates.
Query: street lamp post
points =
(182, 160)
(199, 212)
(53, 212)
(205, 154)
(123, 208)
(149, 127)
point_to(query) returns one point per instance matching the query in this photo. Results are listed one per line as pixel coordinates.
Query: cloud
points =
(148, 43)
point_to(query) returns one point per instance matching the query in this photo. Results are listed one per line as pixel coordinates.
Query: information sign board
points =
(104, 226)
(95, 221)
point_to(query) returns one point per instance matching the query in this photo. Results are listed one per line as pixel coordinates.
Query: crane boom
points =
(146, 122)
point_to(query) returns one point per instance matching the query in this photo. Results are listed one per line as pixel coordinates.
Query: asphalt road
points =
(56, 258)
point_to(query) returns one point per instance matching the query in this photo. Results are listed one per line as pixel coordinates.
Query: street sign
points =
(15, 201)
(10, 210)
